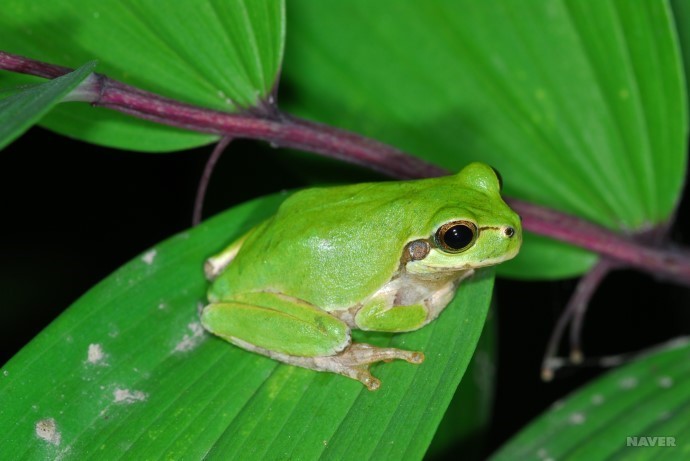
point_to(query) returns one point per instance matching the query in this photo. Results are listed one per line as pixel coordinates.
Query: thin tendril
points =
(594, 279)
(575, 310)
(206, 178)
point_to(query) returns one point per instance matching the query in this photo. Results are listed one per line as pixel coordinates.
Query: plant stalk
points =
(286, 131)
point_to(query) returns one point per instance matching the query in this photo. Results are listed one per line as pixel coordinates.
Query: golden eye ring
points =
(456, 236)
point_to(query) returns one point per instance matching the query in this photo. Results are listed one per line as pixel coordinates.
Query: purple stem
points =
(282, 130)
(672, 264)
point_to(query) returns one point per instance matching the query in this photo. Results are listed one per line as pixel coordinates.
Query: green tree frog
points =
(379, 256)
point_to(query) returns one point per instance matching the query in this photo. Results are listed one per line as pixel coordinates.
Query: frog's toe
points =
(371, 382)
(416, 357)
(360, 353)
(411, 357)
(361, 374)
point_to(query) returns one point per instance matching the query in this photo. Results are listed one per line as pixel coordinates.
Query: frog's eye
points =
(456, 236)
(500, 179)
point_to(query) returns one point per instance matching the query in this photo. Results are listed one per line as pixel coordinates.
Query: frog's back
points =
(333, 246)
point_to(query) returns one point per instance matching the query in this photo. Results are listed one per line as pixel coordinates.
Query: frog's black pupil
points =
(458, 237)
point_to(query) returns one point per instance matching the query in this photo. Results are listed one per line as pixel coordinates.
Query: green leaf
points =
(579, 104)
(541, 251)
(24, 108)
(468, 416)
(127, 372)
(225, 55)
(681, 14)
(649, 399)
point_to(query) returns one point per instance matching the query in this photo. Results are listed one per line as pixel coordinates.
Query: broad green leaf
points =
(580, 104)
(617, 416)
(681, 14)
(224, 55)
(24, 108)
(127, 372)
(540, 251)
(468, 416)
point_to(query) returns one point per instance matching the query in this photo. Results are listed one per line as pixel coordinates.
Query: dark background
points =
(72, 213)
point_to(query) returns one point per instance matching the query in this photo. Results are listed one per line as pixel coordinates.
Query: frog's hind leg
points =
(275, 322)
(353, 361)
(297, 333)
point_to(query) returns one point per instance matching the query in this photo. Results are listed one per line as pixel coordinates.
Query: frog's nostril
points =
(509, 231)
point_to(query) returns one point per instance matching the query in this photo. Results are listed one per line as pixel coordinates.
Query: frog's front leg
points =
(297, 333)
(407, 304)
(218, 262)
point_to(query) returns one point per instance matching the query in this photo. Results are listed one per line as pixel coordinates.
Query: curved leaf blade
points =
(26, 107)
(541, 252)
(468, 417)
(617, 416)
(681, 14)
(579, 104)
(224, 55)
(128, 372)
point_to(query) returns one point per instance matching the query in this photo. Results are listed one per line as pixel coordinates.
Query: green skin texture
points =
(335, 259)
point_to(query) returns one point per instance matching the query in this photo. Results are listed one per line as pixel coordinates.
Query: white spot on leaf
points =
(577, 418)
(149, 256)
(628, 383)
(95, 355)
(113, 330)
(543, 454)
(665, 415)
(190, 341)
(557, 405)
(46, 429)
(597, 399)
(127, 396)
(665, 382)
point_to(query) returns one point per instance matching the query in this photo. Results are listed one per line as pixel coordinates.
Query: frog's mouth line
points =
(476, 265)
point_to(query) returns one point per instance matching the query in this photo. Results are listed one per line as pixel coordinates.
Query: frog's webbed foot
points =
(355, 360)
(352, 362)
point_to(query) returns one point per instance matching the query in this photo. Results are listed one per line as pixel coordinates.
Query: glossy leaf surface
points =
(579, 104)
(224, 55)
(640, 411)
(21, 110)
(127, 372)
